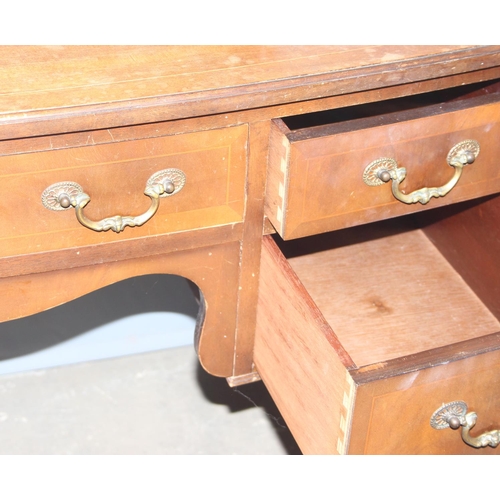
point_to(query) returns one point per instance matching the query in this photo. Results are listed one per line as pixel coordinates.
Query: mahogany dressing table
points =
(337, 207)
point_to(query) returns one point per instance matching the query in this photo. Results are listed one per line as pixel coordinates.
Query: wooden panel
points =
(115, 176)
(278, 176)
(302, 364)
(392, 416)
(387, 292)
(124, 133)
(323, 189)
(68, 258)
(300, 360)
(468, 236)
(61, 89)
(250, 255)
(211, 232)
(213, 268)
(68, 76)
(426, 359)
(413, 335)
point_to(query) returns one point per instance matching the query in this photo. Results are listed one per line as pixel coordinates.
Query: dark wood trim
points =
(426, 359)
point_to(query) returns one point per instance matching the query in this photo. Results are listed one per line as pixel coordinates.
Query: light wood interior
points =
(387, 291)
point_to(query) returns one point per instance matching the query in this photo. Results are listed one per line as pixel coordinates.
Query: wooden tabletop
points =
(104, 86)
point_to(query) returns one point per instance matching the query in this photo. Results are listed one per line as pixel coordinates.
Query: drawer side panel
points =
(300, 360)
(277, 175)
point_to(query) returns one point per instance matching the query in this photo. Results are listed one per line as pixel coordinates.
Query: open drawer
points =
(350, 166)
(363, 334)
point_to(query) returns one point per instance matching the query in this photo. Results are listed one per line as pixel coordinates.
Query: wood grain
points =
(112, 251)
(115, 175)
(238, 117)
(64, 89)
(108, 117)
(395, 397)
(426, 359)
(392, 416)
(300, 360)
(468, 235)
(326, 190)
(213, 269)
(278, 176)
(251, 244)
(387, 292)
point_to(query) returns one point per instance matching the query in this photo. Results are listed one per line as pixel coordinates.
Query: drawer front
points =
(115, 176)
(316, 176)
(386, 410)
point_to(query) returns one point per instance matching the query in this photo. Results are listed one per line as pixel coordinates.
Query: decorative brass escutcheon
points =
(64, 195)
(385, 169)
(454, 415)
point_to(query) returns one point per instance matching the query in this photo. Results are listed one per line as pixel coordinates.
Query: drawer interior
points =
(392, 110)
(405, 285)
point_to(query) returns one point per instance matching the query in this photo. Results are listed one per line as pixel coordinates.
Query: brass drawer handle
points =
(384, 169)
(454, 415)
(64, 195)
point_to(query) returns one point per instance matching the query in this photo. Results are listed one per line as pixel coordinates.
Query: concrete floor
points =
(155, 403)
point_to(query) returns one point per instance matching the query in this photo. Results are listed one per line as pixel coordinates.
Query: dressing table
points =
(336, 207)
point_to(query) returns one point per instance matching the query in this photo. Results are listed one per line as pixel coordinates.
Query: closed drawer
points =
(115, 175)
(362, 334)
(317, 180)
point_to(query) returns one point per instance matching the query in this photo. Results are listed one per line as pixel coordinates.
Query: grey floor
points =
(86, 379)
(154, 403)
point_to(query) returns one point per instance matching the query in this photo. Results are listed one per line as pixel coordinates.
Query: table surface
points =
(84, 87)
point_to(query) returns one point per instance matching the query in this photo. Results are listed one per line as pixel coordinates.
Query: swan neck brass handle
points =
(454, 415)
(385, 169)
(64, 195)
